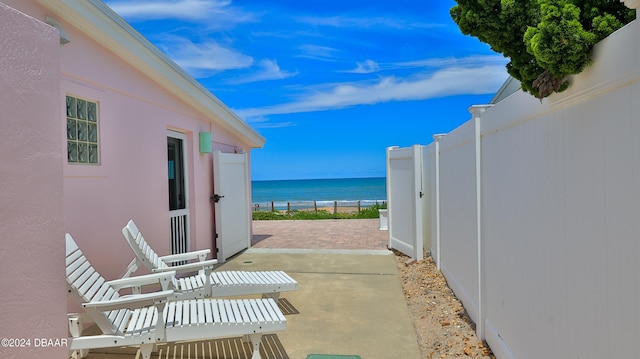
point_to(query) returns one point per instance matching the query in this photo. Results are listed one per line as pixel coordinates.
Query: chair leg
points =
(275, 296)
(255, 343)
(146, 349)
(79, 354)
(75, 328)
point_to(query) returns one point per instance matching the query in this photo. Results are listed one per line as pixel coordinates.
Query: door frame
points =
(186, 211)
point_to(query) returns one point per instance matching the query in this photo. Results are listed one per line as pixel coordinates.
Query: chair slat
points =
(97, 285)
(253, 277)
(250, 311)
(100, 294)
(154, 319)
(193, 307)
(257, 311)
(171, 314)
(186, 318)
(149, 316)
(243, 312)
(82, 278)
(119, 320)
(71, 260)
(222, 311)
(201, 312)
(274, 311)
(208, 312)
(80, 270)
(178, 313)
(90, 282)
(131, 326)
(123, 322)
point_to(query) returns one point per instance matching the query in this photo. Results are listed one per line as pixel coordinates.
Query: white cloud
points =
(213, 11)
(444, 82)
(263, 122)
(316, 52)
(267, 70)
(451, 61)
(204, 59)
(346, 21)
(366, 67)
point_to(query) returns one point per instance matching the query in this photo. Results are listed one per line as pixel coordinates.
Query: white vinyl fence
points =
(535, 221)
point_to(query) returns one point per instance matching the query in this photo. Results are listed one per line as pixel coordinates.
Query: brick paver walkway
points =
(319, 234)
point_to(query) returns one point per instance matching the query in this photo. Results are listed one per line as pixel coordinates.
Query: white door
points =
(404, 199)
(232, 207)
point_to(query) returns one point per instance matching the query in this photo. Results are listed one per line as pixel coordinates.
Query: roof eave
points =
(101, 23)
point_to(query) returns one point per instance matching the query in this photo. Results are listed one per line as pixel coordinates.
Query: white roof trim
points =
(99, 22)
(509, 86)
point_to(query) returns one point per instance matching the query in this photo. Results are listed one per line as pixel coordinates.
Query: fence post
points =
(273, 209)
(335, 207)
(358, 206)
(476, 112)
(436, 139)
(315, 206)
(288, 207)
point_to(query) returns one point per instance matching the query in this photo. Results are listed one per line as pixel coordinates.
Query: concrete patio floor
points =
(350, 298)
(350, 304)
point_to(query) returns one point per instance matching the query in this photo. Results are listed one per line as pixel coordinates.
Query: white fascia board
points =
(99, 22)
(509, 86)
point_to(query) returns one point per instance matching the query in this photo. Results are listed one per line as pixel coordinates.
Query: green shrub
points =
(368, 212)
(371, 212)
(266, 215)
(321, 214)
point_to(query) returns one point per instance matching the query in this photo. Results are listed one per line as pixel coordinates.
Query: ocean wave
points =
(324, 191)
(300, 205)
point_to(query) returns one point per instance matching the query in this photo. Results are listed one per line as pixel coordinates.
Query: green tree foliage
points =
(545, 40)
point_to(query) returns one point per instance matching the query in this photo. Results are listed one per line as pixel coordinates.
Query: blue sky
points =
(330, 84)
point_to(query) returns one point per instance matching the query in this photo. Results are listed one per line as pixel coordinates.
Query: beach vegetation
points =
(367, 212)
(545, 40)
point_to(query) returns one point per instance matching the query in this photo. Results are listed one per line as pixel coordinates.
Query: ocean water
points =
(302, 193)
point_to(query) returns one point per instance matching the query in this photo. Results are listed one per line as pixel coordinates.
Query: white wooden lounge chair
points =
(207, 282)
(134, 320)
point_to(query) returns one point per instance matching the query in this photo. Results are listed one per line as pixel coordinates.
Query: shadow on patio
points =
(350, 299)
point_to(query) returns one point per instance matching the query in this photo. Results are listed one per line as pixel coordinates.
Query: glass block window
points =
(82, 131)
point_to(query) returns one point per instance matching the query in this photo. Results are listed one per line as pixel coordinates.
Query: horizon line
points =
(315, 179)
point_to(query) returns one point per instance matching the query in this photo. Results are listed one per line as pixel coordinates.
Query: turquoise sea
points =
(302, 193)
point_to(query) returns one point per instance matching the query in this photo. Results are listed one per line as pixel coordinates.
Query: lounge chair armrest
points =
(130, 301)
(200, 255)
(189, 267)
(141, 280)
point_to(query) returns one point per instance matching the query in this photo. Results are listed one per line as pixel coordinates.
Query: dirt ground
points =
(443, 327)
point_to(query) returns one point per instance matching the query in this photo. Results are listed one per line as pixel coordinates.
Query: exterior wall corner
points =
(34, 298)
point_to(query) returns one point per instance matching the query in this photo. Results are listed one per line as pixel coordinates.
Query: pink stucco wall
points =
(131, 180)
(33, 300)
